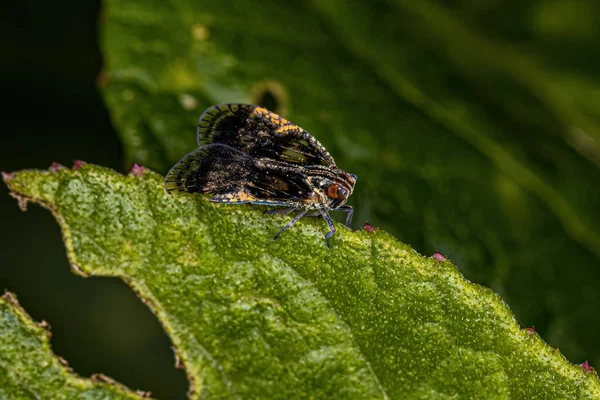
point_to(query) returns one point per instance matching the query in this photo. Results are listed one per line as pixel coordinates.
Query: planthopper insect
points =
(248, 154)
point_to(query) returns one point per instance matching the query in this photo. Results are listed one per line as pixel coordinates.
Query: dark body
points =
(250, 155)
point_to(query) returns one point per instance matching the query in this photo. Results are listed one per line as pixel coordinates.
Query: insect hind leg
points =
(292, 222)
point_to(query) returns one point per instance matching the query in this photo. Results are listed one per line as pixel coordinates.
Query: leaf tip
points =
(7, 176)
(79, 271)
(10, 298)
(137, 170)
(64, 363)
(439, 257)
(54, 167)
(179, 364)
(143, 394)
(178, 361)
(587, 368)
(368, 227)
(21, 199)
(44, 325)
(103, 378)
(78, 164)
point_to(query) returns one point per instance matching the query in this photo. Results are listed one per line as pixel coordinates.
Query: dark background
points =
(52, 112)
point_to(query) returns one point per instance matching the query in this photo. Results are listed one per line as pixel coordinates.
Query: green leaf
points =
(29, 370)
(256, 318)
(472, 127)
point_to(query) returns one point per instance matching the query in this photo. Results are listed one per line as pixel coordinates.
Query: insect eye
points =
(343, 192)
(332, 191)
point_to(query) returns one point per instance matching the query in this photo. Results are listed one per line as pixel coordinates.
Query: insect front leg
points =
(350, 212)
(292, 222)
(329, 224)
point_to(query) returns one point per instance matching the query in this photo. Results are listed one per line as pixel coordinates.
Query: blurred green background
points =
(473, 126)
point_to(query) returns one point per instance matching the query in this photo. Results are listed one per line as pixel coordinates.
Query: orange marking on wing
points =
(261, 111)
(242, 196)
(286, 128)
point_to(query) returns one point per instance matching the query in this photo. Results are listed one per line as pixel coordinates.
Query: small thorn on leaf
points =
(368, 227)
(439, 256)
(78, 271)
(178, 361)
(43, 324)
(137, 170)
(10, 297)
(103, 378)
(77, 164)
(587, 367)
(7, 176)
(54, 167)
(23, 201)
(65, 364)
(532, 329)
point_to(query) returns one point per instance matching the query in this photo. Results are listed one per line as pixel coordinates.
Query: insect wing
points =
(235, 177)
(260, 133)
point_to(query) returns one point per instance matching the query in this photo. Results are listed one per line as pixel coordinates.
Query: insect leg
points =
(282, 211)
(292, 222)
(350, 212)
(329, 224)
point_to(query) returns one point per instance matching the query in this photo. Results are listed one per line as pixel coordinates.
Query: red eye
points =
(332, 191)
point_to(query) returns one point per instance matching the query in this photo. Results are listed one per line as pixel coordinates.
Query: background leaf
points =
(251, 317)
(29, 370)
(471, 125)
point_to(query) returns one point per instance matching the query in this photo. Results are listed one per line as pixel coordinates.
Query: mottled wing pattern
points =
(260, 133)
(234, 177)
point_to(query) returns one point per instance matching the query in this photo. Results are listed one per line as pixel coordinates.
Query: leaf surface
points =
(256, 318)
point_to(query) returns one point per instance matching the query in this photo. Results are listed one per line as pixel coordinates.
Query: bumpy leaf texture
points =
(256, 318)
(473, 127)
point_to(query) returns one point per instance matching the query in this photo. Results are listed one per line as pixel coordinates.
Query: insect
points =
(248, 154)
